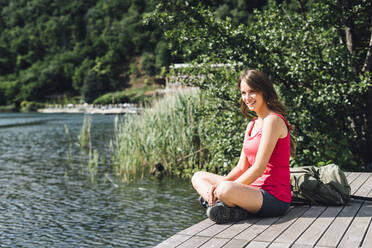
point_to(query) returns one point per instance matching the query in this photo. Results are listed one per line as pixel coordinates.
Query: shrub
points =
(28, 106)
(134, 95)
(8, 108)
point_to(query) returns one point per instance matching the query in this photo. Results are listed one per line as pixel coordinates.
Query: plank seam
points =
(204, 241)
(257, 220)
(258, 234)
(369, 224)
(365, 233)
(363, 183)
(353, 179)
(284, 228)
(190, 236)
(360, 207)
(308, 225)
(230, 239)
(214, 235)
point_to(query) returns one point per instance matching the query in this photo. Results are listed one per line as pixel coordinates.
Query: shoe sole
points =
(219, 214)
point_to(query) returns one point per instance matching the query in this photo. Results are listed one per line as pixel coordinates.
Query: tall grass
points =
(93, 163)
(84, 136)
(69, 141)
(91, 158)
(168, 133)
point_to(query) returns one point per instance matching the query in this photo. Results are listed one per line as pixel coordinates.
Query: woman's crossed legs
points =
(231, 193)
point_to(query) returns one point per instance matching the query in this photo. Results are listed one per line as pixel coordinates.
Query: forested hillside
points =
(50, 49)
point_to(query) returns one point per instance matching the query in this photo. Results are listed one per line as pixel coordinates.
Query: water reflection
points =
(48, 199)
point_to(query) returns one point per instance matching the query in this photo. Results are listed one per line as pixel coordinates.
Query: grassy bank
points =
(8, 108)
(132, 95)
(169, 134)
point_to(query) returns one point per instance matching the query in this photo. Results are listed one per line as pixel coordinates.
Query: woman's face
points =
(253, 99)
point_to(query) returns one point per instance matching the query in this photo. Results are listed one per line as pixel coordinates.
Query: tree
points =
(92, 86)
(323, 84)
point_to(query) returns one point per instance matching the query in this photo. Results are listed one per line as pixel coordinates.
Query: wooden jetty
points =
(303, 226)
(92, 109)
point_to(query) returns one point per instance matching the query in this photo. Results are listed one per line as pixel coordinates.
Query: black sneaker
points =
(203, 202)
(220, 213)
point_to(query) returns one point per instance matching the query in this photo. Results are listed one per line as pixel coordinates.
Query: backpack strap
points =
(301, 203)
(358, 197)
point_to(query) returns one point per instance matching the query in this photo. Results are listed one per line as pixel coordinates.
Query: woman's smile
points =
(250, 104)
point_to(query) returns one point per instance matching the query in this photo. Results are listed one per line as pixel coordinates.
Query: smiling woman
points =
(260, 183)
(257, 83)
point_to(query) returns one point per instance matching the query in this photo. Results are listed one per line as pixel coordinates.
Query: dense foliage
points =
(57, 49)
(51, 48)
(317, 54)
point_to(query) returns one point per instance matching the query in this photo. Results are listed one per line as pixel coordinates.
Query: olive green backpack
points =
(325, 185)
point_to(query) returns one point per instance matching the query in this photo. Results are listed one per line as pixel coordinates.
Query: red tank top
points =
(276, 178)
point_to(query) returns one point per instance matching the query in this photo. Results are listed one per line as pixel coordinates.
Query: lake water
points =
(49, 197)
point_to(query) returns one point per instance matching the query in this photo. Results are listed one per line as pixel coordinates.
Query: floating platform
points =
(303, 226)
(105, 110)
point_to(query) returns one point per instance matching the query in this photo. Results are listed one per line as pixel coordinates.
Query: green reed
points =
(168, 133)
(84, 136)
(91, 156)
(93, 163)
(69, 141)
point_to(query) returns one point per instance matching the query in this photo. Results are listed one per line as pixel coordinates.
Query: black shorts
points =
(271, 206)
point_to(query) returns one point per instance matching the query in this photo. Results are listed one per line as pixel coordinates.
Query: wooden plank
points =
(367, 242)
(258, 244)
(365, 188)
(277, 228)
(236, 243)
(280, 245)
(359, 181)
(315, 231)
(237, 228)
(296, 229)
(197, 227)
(195, 241)
(254, 230)
(260, 226)
(213, 230)
(173, 241)
(215, 243)
(336, 230)
(351, 176)
(354, 235)
(295, 245)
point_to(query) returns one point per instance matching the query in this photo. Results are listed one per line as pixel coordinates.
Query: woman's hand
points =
(212, 194)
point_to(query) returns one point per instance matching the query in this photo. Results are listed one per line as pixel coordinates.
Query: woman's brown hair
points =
(259, 82)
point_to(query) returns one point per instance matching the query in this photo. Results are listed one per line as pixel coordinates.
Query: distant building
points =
(179, 80)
